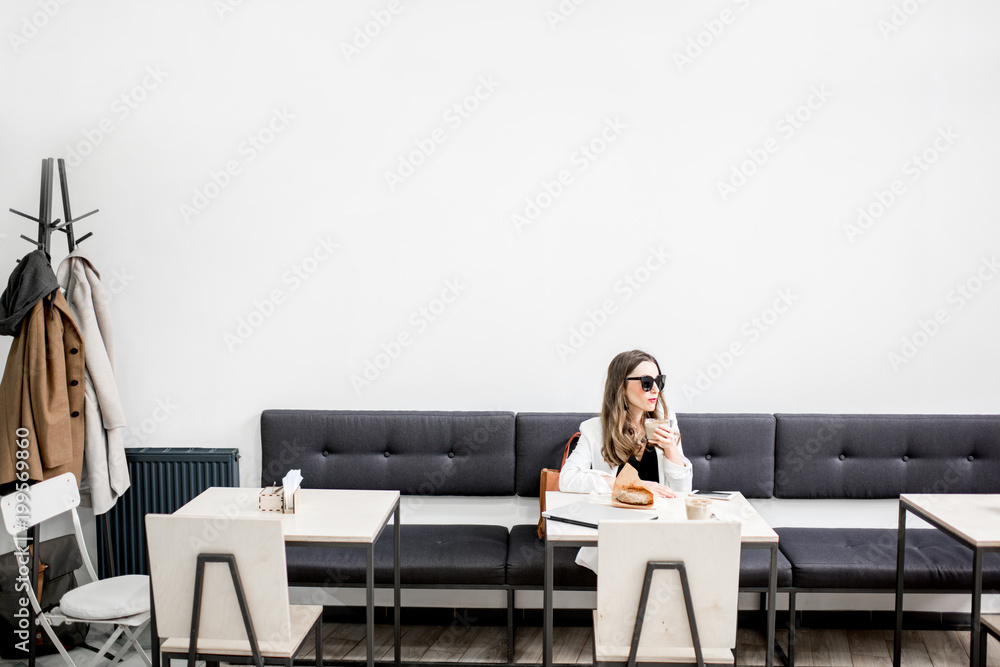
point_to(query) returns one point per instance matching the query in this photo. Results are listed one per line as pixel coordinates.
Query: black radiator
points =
(163, 479)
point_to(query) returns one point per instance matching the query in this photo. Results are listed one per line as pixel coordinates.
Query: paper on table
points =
(291, 483)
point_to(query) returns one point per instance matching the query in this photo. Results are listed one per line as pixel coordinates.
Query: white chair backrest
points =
(24, 509)
(710, 551)
(42, 501)
(258, 544)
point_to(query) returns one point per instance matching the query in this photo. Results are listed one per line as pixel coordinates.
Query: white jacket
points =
(586, 471)
(105, 466)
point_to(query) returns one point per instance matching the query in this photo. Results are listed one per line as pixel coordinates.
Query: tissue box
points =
(270, 499)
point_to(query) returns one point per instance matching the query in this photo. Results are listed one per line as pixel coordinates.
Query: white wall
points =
(885, 79)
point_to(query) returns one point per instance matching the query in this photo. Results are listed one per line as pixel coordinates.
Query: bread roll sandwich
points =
(628, 490)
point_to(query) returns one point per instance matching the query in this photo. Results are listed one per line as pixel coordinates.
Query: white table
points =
(973, 520)
(755, 533)
(330, 517)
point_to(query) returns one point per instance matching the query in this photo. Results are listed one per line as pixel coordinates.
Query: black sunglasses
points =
(647, 381)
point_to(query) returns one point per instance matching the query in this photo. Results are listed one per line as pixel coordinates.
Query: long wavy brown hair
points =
(621, 438)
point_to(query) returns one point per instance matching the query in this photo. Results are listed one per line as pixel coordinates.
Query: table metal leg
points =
(395, 584)
(370, 601)
(547, 606)
(977, 599)
(897, 646)
(510, 626)
(792, 622)
(772, 604)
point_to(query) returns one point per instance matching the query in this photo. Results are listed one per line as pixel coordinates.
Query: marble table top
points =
(322, 515)
(754, 528)
(974, 516)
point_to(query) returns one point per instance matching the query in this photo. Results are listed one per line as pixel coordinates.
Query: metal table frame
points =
(977, 579)
(547, 595)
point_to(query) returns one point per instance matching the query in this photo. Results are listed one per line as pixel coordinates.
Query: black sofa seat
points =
(526, 563)
(755, 566)
(865, 558)
(433, 555)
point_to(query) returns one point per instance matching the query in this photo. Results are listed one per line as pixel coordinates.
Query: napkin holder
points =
(272, 499)
(293, 501)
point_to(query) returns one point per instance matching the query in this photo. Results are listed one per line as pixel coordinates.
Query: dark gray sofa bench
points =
(882, 456)
(418, 453)
(781, 456)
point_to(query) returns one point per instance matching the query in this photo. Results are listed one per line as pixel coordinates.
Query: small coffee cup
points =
(653, 424)
(698, 509)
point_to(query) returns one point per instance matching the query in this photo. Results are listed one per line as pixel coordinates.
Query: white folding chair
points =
(220, 591)
(666, 592)
(122, 602)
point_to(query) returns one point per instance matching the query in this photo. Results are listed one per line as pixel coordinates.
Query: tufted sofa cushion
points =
(866, 558)
(755, 565)
(526, 562)
(882, 456)
(459, 555)
(425, 453)
(730, 452)
(540, 438)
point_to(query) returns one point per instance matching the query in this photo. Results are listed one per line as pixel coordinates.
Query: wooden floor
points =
(573, 645)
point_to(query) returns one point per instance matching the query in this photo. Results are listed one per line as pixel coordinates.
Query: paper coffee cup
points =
(698, 509)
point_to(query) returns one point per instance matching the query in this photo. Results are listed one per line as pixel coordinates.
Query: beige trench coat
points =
(104, 452)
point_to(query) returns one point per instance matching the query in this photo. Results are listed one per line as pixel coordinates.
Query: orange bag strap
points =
(569, 443)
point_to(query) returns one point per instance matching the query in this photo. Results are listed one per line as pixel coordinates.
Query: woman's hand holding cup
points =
(662, 433)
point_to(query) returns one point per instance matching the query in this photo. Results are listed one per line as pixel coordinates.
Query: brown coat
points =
(42, 390)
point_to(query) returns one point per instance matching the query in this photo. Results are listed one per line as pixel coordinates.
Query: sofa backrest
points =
(728, 452)
(539, 440)
(882, 456)
(419, 453)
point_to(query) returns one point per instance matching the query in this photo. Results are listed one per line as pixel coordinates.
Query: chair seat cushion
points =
(526, 562)
(107, 599)
(755, 567)
(866, 558)
(462, 555)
